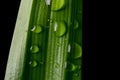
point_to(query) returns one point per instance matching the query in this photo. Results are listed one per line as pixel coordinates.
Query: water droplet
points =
(69, 48)
(48, 2)
(76, 24)
(59, 28)
(34, 49)
(37, 29)
(57, 5)
(77, 51)
(33, 63)
(57, 65)
(71, 67)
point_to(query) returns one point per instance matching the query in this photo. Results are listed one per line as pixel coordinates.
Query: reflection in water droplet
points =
(33, 63)
(77, 51)
(57, 5)
(59, 28)
(37, 29)
(34, 49)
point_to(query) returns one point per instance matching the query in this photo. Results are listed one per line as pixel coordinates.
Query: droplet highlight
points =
(69, 48)
(37, 29)
(59, 28)
(34, 49)
(48, 2)
(57, 5)
(77, 51)
(33, 63)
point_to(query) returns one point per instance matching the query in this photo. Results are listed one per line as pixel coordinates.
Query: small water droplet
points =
(37, 29)
(77, 51)
(76, 24)
(69, 48)
(33, 63)
(57, 5)
(59, 28)
(71, 67)
(34, 49)
(57, 65)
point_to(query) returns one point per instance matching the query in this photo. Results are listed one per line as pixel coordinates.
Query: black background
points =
(8, 16)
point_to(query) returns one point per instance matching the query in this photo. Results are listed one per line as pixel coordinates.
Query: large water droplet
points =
(71, 67)
(59, 28)
(57, 5)
(76, 24)
(33, 63)
(37, 29)
(77, 51)
(34, 49)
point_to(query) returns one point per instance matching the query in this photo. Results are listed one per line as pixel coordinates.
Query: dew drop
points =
(37, 29)
(33, 63)
(57, 5)
(71, 67)
(59, 28)
(34, 49)
(76, 24)
(77, 51)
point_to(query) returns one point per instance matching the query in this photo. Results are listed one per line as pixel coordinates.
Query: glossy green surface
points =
(53, 30)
